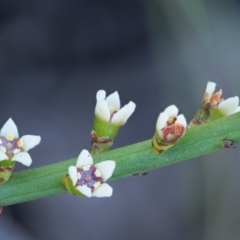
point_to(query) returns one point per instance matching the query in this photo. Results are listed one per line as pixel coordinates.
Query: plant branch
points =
(46, 181)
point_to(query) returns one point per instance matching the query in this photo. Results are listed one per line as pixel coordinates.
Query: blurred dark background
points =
(55, 55)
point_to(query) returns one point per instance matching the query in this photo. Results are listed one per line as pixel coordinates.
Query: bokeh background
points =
(55, 55)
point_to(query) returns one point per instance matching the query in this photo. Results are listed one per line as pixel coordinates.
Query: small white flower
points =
(89, 179)
(108, 108)
(226, 107)
(229, 106)
(14, 148)
(171, 126)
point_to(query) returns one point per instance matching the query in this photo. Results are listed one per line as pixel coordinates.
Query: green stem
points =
(46, 181)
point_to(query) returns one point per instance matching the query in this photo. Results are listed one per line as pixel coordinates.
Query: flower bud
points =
(170, 128)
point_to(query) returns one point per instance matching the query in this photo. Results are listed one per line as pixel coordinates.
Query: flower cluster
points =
(89, 179)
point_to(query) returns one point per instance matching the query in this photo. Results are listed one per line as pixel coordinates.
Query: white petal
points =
(162, 120)
(106, 168)
(229, 105)
(30, 141)
(101, 95)
(113, 100)
(103, 191)
(84, 158)
(210, 88)
(122, 115)
(172, 111)
(24, 158)
(72, 171)
(102, 110)
(84, 190)
(237, 109)
(3, 156)
(9, 128)
(182, 120)
(131, 107)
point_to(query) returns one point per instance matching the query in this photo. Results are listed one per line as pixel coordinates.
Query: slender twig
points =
(46, 181)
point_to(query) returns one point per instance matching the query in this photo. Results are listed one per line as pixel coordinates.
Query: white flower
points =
(89, 179)
(229, 106)
(226, 107)
(171, 126)
(14, 148)
(108, 108)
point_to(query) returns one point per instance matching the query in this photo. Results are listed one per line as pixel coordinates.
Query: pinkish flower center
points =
(89, 176)
(10, 145)
(173, 132)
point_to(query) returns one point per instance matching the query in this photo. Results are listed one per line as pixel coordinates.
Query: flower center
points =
(216, 98)
(10, 145)
(90, 176)
(172, 133)
(171, 120)
(112, 112)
